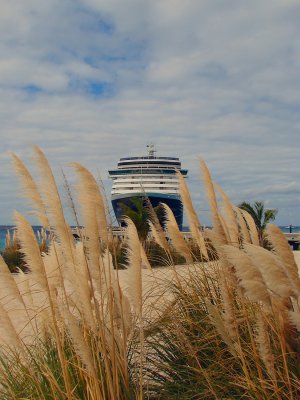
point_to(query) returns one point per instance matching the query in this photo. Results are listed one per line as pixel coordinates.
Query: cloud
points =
(93, 81)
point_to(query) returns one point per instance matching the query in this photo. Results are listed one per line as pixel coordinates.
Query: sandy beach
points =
(297, 258)
(157, 287)
(157, 284)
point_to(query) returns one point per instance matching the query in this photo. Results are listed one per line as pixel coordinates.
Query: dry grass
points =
(76, 328)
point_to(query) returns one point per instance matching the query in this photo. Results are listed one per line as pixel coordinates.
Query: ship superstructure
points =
(147, 176)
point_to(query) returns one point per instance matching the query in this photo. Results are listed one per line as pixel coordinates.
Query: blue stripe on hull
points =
(173, 202)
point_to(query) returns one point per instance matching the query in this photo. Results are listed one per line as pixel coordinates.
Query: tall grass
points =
(233, 331)
(226, 324)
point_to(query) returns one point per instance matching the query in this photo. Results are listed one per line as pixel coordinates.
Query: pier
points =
(119, 232)
(293, 239)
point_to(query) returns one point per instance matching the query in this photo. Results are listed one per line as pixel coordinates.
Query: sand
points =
(158, 292)
(158, 286)
(297, 258)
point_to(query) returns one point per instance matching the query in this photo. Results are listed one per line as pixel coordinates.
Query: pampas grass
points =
(250, 278)
(175, 235)
(226, 328)
(192, 217)
(30, 190)
(230, 222)
(218, 227)
(271, 270)
(281, 248)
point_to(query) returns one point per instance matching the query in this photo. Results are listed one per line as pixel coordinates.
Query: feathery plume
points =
(192, 217)
(282, 249)
(78, 280)
(94, 220)
(121, 305)
(242, 224)
(78, 339)
(23, 284)
(8, 333)
(158, 230)
(54, 207)
(269, 266)
(89, 192)
(8, 284)
(295, 319)
(175, 235)
(30, 190)
(229, 317)
(225, 228)
(134, 263)
(217, 321)
(30, 249)
(145, 261)
(121, 310)
(252, 229)
(230, 218)
(157, 237)
(264, 346)
(210, 193)
(52, 267)
(250, 278)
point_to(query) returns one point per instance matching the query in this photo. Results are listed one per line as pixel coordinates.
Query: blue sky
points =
(92, 81)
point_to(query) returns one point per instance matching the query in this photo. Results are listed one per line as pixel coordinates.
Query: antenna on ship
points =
(151, 150)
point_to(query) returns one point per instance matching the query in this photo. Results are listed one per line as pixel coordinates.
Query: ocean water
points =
(5, 228)
(286, 229)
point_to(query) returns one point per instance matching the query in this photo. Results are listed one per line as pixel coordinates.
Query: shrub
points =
(12, 254)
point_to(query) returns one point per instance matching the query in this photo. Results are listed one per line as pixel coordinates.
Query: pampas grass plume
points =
(54, 207)
(252, 229)
(175, 235)
(30, 190)
(159, 238)
(264, 346)
(31, 250)
(242, 224)
(218, 322)
(282, 249)
(91, 197)
(271, 270)
(250, 278)
(220, 235)
(8, 283)
(134, 263)
(8, 333)
(230, 218)
(78, 339)
(192, 217)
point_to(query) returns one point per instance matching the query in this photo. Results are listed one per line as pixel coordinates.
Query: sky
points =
(95, 80)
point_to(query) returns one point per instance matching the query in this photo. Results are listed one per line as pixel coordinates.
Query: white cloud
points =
(93, 81)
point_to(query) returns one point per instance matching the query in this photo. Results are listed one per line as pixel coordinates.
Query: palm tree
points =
(140, 213)
(260, 215)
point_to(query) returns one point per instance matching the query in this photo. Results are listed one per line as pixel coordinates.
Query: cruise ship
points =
(147, 176)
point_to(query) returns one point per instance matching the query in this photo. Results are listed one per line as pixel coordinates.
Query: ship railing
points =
(147, 158)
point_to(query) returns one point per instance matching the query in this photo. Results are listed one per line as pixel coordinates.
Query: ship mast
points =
(151, 150)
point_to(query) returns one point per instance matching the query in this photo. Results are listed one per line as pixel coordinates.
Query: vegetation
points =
(13, 256)
(139, 212)
(76, 328)
(261, 216)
